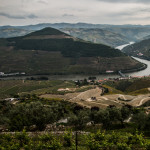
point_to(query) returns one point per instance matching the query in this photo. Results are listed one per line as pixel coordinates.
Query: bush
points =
(25, 115)
(68, 139)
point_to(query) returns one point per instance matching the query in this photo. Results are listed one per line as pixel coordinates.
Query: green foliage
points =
(16, 141)
(125, 112)
(132, 86)
(80, 119)
(48, 141)
(116, 141)
(23, 138)
(67, 46)
(23, 141)
(96, 141)
(141, 120)
(92, 141)
(68, 139)
(12, 88)
(29, 114)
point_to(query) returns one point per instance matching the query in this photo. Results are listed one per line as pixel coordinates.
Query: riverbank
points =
(135, 70)
(142, 71)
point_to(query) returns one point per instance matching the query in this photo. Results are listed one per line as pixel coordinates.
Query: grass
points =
(112, 90)
(141, 91)
(9, 88)
(130, 87)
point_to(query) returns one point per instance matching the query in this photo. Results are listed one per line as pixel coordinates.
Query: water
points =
(122, 46)
(145, 72)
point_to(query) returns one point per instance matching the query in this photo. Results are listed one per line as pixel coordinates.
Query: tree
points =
(80, 119)
(140, 120)
(25, 115)
(114, 114)
(125, 113)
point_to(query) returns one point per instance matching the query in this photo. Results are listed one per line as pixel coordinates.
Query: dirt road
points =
(93, 97)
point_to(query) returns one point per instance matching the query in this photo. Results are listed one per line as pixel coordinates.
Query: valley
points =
(74, 75)
(134, 91)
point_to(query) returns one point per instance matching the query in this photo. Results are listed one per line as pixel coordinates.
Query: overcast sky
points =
(24, 12)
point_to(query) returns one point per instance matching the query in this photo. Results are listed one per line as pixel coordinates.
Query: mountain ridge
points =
(124, 33)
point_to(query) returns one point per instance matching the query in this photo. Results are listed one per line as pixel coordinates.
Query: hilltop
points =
(50, 51)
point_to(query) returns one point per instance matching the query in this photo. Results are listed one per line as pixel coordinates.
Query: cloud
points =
(125, 1)
(31, 16)
(20, 12)
(12, 16)
(135, 12)
(68, 15)
(42, 1)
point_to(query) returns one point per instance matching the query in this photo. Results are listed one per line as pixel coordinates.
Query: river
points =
(122, 46)
(145, 72)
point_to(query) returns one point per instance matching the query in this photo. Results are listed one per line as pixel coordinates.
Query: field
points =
(129, 86)
(69, 140)
(13, 87)
(132, 92)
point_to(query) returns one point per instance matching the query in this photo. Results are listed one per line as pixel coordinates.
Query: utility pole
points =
(76, 140)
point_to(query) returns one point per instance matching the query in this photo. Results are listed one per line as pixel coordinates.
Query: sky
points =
(25, 12)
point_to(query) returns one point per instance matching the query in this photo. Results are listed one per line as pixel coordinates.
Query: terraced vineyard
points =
(11, 87)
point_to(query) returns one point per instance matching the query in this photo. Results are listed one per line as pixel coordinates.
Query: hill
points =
(112, 35)
(12, 32)
(97, 36)
(139, 49)
(50, 51)
(132, 33)
(145, 38)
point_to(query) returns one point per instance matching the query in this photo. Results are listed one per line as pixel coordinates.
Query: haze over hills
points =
(97, 36)
(13, 32)
(75, 25)
(132, 33)
(112, 35)
(139, 49)
(50, 51)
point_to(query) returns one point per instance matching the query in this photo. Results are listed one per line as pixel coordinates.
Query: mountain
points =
(97, 36)
(145, 38)
(139, 49)
(50, 51)
(123, 33)
(75, 25)
(132, 33)
(13, 32)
